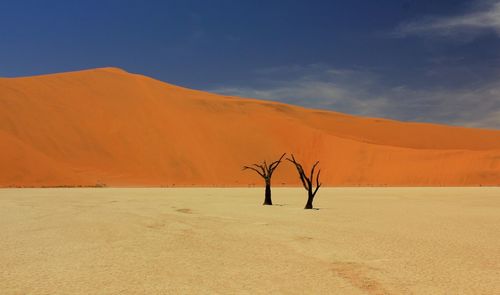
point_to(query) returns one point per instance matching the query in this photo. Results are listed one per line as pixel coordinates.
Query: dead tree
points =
(307, 182)
(266, 172)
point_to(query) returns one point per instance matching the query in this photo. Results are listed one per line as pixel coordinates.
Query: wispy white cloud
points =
(483, 17)
(362, 92)
(314, 86)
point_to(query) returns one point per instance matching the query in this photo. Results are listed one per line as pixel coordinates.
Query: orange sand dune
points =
(107, 126)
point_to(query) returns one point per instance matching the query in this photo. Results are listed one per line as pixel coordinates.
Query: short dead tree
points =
(266, 172)
(307, 182)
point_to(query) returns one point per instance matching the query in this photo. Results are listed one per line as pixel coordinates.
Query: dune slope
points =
(107, 126)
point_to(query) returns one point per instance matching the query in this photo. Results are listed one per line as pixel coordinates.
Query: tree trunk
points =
(309, 204)
(267, 200)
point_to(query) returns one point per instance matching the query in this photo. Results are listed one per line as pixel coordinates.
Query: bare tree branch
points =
(261, 168)
(303, 178)
(275, 164)
(251, 168)
(318, 184)
(312, 170)
(265, 172)
(266, 167)
(307, 182)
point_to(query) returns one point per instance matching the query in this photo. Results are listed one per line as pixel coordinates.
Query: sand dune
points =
(120, 129)
(222, 241)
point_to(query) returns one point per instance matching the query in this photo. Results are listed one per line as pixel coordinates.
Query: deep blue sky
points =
(434, 61)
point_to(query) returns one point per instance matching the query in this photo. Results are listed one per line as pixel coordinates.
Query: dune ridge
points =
(108, 126)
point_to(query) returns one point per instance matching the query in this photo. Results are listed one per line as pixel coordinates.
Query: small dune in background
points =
(110, 127)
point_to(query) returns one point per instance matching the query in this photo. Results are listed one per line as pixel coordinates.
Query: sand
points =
(188, 241)
(107, 126)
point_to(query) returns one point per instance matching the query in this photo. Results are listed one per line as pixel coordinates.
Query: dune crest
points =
(120, 129)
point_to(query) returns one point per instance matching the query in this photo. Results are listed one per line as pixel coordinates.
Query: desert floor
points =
(162, 241)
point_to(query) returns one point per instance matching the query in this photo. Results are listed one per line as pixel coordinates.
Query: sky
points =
(411, 60)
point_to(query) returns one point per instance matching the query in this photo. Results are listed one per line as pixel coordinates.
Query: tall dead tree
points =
(307, 181)
(266, 172)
